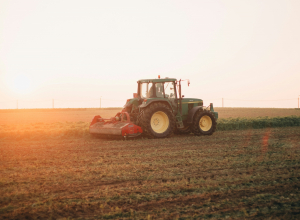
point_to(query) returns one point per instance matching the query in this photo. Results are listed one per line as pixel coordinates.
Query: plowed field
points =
(231, 174)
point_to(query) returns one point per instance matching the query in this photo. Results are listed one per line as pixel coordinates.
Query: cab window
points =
(146, 90)
(170, 90)
(159, 90)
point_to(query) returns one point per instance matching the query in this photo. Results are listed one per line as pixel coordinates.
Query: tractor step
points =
(179, 122)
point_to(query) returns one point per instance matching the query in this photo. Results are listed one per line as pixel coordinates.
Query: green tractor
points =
(158, 110)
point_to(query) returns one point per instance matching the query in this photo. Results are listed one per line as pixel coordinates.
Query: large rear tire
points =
(204, 123)
(157, 121)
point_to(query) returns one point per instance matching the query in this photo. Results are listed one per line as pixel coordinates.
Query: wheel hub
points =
(159, 122)
(156, 122)
(205, 123)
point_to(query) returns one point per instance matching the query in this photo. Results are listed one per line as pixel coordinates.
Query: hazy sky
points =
(77, 51)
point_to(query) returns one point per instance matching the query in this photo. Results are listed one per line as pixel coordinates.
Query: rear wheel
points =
(157, 121)
(204, 123)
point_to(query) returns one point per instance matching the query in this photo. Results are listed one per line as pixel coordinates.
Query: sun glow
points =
(20, 84)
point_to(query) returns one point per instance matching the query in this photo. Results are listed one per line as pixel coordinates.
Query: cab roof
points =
(157, 80)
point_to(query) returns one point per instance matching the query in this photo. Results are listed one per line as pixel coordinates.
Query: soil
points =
(231, 174)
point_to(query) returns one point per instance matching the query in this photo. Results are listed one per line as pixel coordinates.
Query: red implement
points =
(115, 126)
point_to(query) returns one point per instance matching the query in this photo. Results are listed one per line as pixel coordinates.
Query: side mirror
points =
(182, 96)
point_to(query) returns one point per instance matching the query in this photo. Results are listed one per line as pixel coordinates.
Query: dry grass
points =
(39, 130)
(31, 116)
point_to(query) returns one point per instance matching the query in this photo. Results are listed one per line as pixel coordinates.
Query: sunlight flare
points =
(21, 84)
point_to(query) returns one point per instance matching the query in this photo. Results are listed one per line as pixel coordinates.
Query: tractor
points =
(158, 110)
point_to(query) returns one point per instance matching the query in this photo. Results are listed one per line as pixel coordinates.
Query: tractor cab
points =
(157, 88)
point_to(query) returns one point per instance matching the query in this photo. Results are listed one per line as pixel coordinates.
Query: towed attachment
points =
(115, 126)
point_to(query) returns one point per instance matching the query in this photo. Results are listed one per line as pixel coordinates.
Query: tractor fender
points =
(191, 114)
(131, 102)
(152, 101)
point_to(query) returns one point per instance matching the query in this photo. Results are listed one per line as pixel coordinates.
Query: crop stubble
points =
(234, 174)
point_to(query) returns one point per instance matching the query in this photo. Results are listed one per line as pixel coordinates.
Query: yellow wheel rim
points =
(159, 122)
(205, 123)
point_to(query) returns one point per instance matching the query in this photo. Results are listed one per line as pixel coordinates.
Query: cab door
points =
(170, 94)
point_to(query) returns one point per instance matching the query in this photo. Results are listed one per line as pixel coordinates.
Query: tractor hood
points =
(191, 100)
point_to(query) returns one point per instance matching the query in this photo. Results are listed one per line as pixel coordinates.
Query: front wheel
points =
(204, 123)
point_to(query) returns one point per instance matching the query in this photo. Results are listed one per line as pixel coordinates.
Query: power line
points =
(64, 102)
(86, 100)
(7, 101)
(260, 100)
(34, 100)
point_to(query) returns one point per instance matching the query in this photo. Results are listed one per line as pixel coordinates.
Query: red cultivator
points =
(115, 126)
